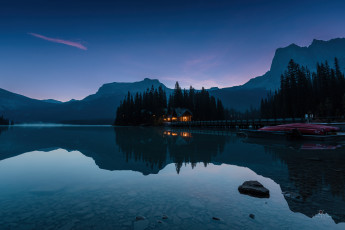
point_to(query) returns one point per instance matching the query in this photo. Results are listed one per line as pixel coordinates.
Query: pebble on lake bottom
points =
(140, 218)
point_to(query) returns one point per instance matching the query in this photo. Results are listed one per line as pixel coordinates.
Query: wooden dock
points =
(242, 124)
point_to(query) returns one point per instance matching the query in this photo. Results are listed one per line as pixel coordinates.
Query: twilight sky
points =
(68, 49)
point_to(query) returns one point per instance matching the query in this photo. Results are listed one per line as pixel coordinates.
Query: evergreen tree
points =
(320, 93)
(150, 106)
(4, 121)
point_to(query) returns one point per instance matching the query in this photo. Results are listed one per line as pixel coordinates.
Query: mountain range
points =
(319, 51)
(100, 108)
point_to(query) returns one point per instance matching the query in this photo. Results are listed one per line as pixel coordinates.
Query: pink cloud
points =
(199, 60)
(57, 40)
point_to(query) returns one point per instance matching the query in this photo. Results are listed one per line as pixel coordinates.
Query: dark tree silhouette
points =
(321, 93)
(203, 106)
(146, 108)
(150, 106)
(4, 121)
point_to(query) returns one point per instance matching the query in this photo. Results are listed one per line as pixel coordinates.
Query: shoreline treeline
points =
(143, 108)
(321, 93)
(203, 106)
(4, 121)
(152, 105)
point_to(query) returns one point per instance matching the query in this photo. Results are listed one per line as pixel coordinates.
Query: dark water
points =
(102, 178)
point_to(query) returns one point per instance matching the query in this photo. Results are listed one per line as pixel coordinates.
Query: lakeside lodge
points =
(179, 114)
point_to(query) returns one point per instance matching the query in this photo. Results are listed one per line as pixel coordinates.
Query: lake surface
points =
(104, 177)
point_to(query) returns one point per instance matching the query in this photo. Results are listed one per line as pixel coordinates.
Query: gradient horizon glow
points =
(68, 49)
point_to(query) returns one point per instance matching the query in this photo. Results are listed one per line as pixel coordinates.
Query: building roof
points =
(182, 112)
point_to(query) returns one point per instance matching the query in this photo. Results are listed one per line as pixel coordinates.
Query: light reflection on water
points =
(101, 178)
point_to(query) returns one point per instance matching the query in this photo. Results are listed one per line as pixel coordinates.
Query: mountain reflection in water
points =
(311, 176)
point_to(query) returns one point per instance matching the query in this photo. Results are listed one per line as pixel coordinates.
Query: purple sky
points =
(64, 50)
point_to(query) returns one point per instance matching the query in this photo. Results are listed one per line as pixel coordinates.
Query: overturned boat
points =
(298, 131)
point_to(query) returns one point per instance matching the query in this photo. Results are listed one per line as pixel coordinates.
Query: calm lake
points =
(73, 177)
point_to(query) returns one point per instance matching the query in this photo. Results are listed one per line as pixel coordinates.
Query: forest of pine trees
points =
(301, 92)
(144, 108)
(151, 106)
(203, 106)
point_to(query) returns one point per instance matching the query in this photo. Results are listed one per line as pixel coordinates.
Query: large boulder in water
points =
(254, 188)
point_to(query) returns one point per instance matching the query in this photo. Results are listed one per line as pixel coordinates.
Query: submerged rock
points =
(255, 189)
(140, 218)
(293, 196)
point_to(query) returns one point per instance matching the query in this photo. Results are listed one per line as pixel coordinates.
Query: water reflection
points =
(316, 178)
(311, 175)
(3, 129)
(158, 147)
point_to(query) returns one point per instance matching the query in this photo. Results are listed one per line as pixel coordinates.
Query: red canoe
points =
(307, 129)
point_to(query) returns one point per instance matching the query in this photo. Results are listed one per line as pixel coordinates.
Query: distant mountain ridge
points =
(318, 51)
(53, 101)
(12, 101)
(110, 89)
(100, 108)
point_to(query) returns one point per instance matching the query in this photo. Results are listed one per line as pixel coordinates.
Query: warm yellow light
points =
(186, 134)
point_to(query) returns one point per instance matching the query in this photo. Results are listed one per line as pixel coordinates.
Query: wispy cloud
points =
(57, 40)
(200, 60)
